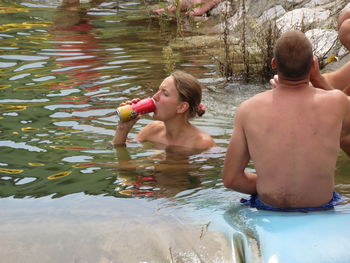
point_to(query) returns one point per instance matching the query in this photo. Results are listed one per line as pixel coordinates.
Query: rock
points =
(271, 14)
(257, 8)
(301, 18)
(314, 3)
(232, 22)
(342, 51)
(222, 8)
(200, 41)
(295, 1)
(347, 6)
(322, 40)
(317, 17)
(337, 64)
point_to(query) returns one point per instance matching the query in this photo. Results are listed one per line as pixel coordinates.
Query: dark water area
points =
(64, 196)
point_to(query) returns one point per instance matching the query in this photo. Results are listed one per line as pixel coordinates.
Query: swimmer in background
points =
(191, 7)
(344, 27)
(292, 135)
(177, 101)
(340, 78)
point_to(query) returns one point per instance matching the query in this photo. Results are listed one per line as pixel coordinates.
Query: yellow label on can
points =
(125, 113)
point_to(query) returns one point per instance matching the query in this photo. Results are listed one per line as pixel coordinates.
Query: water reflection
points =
(165, 172)
(75, 46)
(65, 68)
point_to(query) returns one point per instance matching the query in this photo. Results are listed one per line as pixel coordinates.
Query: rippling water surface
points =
(64, 69)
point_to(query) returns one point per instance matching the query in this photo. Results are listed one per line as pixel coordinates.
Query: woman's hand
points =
(126, 126)
(122, 131)
(123, 128)
(129, 102)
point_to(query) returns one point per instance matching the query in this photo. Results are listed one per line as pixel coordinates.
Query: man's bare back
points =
(291, 133)
(293, 139)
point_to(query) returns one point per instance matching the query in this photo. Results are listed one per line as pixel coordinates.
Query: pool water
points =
(66, 194)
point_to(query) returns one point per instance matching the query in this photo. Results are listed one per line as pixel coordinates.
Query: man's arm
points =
(340, 78)
(345, 135)
(317, 79)
(346, 120)
(237, 158)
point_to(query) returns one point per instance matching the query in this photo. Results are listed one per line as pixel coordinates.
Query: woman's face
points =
(166, 100)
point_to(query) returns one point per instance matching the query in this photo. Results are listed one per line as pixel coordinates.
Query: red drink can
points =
(128, 112)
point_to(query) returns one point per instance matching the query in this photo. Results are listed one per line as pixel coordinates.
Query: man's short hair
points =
(293, 55)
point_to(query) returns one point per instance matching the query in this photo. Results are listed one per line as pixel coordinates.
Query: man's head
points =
(293, 55)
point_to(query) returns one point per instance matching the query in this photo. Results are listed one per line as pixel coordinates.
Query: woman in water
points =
(177, 101)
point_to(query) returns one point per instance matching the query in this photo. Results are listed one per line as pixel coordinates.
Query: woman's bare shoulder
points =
(203, 140)
(150, 130)
(155, 126)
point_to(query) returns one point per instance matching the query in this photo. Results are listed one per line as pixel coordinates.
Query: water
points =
(64, 71)
(65, 194)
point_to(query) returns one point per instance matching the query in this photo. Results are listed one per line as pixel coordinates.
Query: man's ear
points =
(273, 63)
(183, 107)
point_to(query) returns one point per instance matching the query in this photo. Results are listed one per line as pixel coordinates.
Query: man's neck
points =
(293, 84)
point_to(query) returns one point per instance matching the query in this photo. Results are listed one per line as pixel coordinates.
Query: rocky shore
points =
(317, 18)
(233, 22)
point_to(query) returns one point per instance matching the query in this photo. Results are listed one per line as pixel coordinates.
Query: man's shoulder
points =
(258, 98)
(335, 99)
(334, 94)
(337, 93)
(254, 103)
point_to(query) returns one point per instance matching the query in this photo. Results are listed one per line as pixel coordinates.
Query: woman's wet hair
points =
(293, 55)
(190, 91)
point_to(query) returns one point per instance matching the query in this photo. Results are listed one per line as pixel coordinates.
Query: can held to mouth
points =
(130, 111)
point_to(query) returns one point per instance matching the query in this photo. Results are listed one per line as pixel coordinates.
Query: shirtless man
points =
(291, 133)
(192, 7)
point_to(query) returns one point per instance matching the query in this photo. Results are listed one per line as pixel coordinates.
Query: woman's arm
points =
(122, 131)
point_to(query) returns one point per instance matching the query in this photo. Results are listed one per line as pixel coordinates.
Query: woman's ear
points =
(183, 107)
